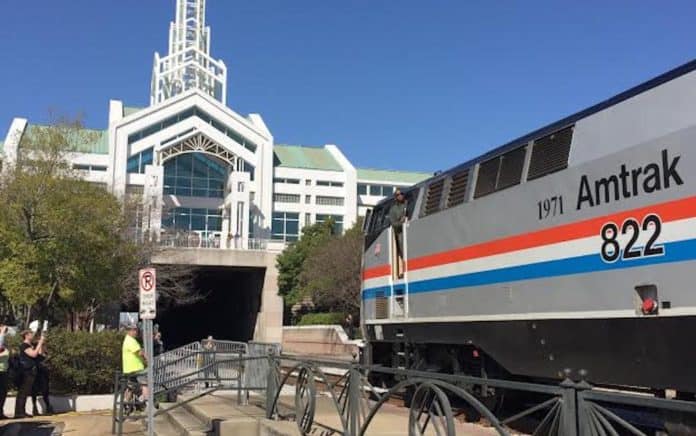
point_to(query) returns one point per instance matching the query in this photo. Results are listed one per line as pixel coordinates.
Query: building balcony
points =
(213, 241)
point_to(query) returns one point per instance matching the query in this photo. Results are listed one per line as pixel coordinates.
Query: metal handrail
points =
(569, 408)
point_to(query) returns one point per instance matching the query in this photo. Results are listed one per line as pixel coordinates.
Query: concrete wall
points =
(328, 341)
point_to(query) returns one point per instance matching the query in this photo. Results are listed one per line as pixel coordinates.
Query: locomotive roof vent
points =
(550, 153)
(433, 197)
(458, 188)
(500, 172)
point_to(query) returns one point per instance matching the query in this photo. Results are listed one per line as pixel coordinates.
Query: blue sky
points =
(417, 85)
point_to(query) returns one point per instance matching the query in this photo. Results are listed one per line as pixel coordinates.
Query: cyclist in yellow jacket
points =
(133, 358)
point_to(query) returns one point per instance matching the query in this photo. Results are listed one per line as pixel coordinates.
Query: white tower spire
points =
(188, 64)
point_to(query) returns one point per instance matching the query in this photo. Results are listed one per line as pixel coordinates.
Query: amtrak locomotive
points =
(570, 248)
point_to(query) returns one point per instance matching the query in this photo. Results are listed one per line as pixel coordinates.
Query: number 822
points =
(611, 247)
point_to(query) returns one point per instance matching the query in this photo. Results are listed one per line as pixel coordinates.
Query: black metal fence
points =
(436, 402)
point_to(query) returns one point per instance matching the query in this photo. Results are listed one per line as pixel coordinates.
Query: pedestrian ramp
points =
(219, 414)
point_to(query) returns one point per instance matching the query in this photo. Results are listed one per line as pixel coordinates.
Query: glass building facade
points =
(195, 175)
(202, 221)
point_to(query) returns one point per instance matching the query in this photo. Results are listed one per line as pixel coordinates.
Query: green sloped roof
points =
(408, 177)
(129, 110)
(82, 140)
(297, 156)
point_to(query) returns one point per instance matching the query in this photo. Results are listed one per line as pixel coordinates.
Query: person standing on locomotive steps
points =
(133, 358)
(397, 218)
(28, 366)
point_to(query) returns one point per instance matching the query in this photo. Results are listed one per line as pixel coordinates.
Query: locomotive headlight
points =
(646, 299)
(649, 306)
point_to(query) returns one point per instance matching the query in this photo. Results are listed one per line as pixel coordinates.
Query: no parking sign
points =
(147, 279)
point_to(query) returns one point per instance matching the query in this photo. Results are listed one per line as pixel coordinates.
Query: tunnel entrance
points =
(228, 311)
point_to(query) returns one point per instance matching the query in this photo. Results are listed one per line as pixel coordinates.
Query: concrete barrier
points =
(66, 403)
(329, 341)
(278, 428)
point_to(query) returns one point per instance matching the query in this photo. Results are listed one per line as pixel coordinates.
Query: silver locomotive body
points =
(571, 248)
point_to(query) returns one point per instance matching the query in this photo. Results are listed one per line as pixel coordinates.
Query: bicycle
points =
(130, 396)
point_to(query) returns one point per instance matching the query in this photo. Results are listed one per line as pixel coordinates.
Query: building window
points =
(307, 219)
(192, 112)
(308, 199)
(240, 186)
(322, 200)
(195, 175)
(137, 162)
(240, 219)
(248, 168)
(288, 181)
(308, 182)
(376, 190)
(89, 167)
(285, 226)
(329, 183)
(286, 198)
(336, 219)
(205, 222)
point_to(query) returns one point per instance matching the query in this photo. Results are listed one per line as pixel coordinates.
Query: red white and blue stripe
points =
(557, 251)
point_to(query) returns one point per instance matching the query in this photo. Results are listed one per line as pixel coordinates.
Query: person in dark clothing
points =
(27, 364)
(41, 384)
(349, 326)
(4, 369)
(157, 342)
(397, 218)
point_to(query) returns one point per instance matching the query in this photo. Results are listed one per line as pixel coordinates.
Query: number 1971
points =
(551, 206)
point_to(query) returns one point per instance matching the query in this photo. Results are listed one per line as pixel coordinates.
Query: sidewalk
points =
(69, 424)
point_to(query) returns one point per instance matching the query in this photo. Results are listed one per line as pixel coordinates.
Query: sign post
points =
(147, 278)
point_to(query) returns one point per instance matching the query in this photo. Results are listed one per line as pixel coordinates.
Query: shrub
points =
(327, 318)
(81, 362)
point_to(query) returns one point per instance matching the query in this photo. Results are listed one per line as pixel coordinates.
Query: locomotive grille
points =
(550, 153)
(381, 307)
(487, 177)
(457, 191)
(500, 172)
(432, 200)
(511, 168)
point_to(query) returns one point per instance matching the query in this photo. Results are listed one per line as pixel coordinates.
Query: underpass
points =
(231, 300)
(241, 301)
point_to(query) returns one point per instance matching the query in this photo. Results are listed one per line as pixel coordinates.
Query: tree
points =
(65, 245)
(61, 237)
(291, 260)
(331, 273)
(174, 281)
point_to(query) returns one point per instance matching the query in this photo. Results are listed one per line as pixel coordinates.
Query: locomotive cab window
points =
(366, 221)
(381, 220)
